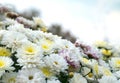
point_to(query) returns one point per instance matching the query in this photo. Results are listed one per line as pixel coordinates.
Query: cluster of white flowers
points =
(34, 56)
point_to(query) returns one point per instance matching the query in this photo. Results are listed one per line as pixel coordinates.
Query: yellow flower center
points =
(56, 63)
(30, 50)
(2, 64)
(90, 75)
(46, 44)
(106, 52)
(44, 29)
(12, 80)
(46, 71)
(71, 74)
(4, 52)
(30, 77)
(117, 62)
(45, 47)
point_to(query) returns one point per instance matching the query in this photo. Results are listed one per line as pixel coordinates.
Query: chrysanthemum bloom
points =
(46, 45)
(56, 62)
(29, 55)
(5, 64)
(115, 63)
(32, 75)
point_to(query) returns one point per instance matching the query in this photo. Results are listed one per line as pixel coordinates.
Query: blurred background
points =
(88, 20)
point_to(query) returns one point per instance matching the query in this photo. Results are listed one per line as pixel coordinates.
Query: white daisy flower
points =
(29, 55)
(32, 75)
(77, 78)
(108, 79)
(34, 36)
(56, 62)
(47, 71)
(46, 45)
(29, 50)
(115, 63)
(13, 39)
(9, 77)
(5, 63)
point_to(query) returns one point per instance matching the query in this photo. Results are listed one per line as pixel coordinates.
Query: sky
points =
(89, 20)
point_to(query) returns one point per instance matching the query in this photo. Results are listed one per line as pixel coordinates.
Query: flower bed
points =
(34, 56)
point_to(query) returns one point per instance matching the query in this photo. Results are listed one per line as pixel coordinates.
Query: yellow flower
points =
(4, 52)
(106, 52)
